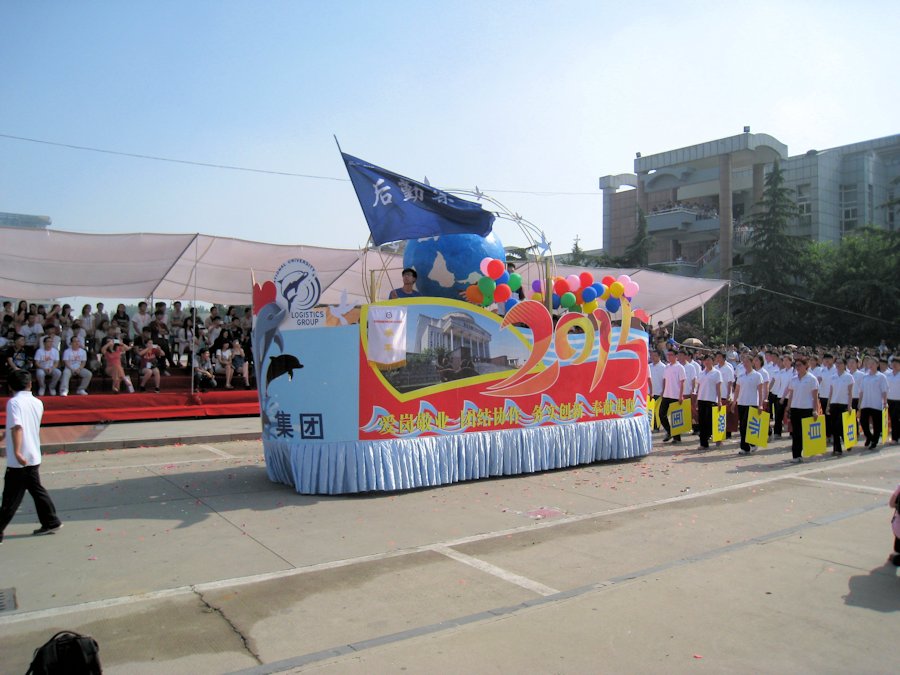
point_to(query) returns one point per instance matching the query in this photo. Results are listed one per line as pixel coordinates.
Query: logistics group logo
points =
(298, 285)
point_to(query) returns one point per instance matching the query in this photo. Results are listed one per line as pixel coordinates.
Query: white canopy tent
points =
(189, 267)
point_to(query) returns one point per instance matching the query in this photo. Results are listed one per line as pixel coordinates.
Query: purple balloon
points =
(536, 286)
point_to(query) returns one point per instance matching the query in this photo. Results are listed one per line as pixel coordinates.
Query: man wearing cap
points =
(408, 289)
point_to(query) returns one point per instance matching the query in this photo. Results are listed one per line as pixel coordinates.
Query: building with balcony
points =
(699, 200)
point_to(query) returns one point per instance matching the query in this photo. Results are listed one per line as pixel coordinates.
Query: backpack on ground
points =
(67, 653)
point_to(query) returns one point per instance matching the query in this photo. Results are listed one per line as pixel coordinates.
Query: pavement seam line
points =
(216, 451)
(864, 488)
(494, 570)
(333, 564)
(561, 596)
(245, 641)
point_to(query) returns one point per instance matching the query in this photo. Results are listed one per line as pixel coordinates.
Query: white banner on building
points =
(387, 337)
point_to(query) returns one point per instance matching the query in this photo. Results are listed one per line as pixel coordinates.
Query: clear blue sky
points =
(526, 96)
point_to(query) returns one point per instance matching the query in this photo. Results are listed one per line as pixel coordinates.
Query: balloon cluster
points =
(496, 285)
(580, 293)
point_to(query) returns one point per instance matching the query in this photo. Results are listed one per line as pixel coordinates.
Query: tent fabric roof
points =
(58, 264)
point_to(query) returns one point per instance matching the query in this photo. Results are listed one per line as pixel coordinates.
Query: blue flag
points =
(397, 207)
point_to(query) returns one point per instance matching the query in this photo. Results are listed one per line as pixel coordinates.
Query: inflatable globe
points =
(446, 265)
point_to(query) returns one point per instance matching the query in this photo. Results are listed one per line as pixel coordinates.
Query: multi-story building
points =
(23, 220)
(699, 200)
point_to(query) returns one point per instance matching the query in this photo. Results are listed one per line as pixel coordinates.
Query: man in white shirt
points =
(140, 320)
(23, 457)
(709, 395)
(748, 391)
(74, 362)
(31, 330)
(779, 388)
(655, 378)
(825, 375)
(839, 396)
(872, 400)
(46, 362)
(893, 400)
(728, 377)
(803, 401)
(673, 391)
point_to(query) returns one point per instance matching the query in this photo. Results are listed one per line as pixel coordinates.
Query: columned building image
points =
(451, 332)
(698, 200)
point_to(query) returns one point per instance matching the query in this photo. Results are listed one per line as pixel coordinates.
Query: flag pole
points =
(337, 143)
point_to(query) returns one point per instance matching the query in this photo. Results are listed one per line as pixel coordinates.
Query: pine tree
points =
(638, 252)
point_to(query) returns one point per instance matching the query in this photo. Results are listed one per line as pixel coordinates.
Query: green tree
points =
(638, 252)
(772, 265)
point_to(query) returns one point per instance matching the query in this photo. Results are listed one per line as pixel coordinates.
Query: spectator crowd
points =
(65, 351)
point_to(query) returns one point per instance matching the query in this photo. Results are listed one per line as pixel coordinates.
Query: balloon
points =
(502, 293)
(560, 286)
(608, 280)
(474, 294)
(616, 289)
(536, 285)
(515, 281)
(623, 279)
(586, 278)
(495, 268)
(504, 278)
(613, 305)
(577, 308)
(567, 300)
(630, 289)
(537, 297)
(483, 264)
(487, 285)
(590, 306)
(589, 293)
(488, 299)
(512, 302)
(636, 288)
(574, 282)
(579, 298)
(605, 295)
(555, 301)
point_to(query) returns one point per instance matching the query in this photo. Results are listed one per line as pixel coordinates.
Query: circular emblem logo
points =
(298, 285)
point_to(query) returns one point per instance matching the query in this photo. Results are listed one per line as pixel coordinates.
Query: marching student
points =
(839, 396)
(782, 380)
(872, 400)
(893, 400)
(673, 390)
(803, 401)
(728, 378)
(748, 391)
(709, 394)
(655, 379)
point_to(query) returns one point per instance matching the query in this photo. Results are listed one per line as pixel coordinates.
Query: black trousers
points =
(773, 401)
(664, 416)
(16, 483)
(705, 415)
(871, 417)
(823, 406)
(798, 414)
(837, 424)
(778, 413)
(894, 417)
(743, 413)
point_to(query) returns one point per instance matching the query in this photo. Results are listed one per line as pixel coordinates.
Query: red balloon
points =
(502, 293)
(495, 269)
(561, 287)
(608, 281)
(586, 279)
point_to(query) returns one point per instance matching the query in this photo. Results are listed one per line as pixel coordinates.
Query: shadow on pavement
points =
(876, 590)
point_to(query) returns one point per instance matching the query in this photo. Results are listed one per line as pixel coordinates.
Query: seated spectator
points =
(101, 332)
(214, 331)
(223, 363)
(239, 362)
(150, 355)
(204, 378)
(75, 363)
(88, 323)
(113, 350)
(31, 330)
(7, 310)
(185, 340)
(142, 319)
(100, 315)
(122, 320)
(18, 358)
(46, 363)
(213, 315)
(159, 332)
(52, 331)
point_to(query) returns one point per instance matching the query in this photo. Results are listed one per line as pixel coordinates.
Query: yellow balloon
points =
(590, 306)
(537, 296)
(616, 289)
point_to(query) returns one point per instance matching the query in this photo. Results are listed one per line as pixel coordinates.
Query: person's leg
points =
(823, 406)
(155, 372)
(865, 415)
(743, 413)
(64, 386)
(656, 424)
(145, 377)
(55, 375)
(837, 422)
(894, 417)
(796, 432)
(85, 376)
(245, 373)
(41, 375)
(664, 416)
(46, 511)
(229, 373)
(704, 412)
(778, 415)
(13, 491)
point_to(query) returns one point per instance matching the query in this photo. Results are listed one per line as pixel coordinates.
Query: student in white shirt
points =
(839, 395)
(872, 400)
(748, 391)
(893, 400)
(803, 401)
(673, 390)
(728, 377)
(46, 362)
(782, 379)
(709, 395)
(655, 377)
(825, 374)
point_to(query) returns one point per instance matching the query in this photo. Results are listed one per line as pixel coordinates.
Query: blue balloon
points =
(512, 302)
(613, 305)
(599, 287)
(589, 293)
(504, 278)
(555, 301)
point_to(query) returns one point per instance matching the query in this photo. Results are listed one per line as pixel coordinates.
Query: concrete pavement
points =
(186, 559)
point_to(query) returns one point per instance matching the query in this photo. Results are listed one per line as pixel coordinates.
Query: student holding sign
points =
(749, 391)
(873, 392)
(839, 396)
(673, 390)
(803, 401)
(709, 395)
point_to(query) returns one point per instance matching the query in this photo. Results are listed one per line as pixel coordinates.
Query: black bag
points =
(67, 653)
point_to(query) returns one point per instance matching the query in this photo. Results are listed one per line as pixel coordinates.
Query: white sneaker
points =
(81, 392)
(63, 393)
(41, 391)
